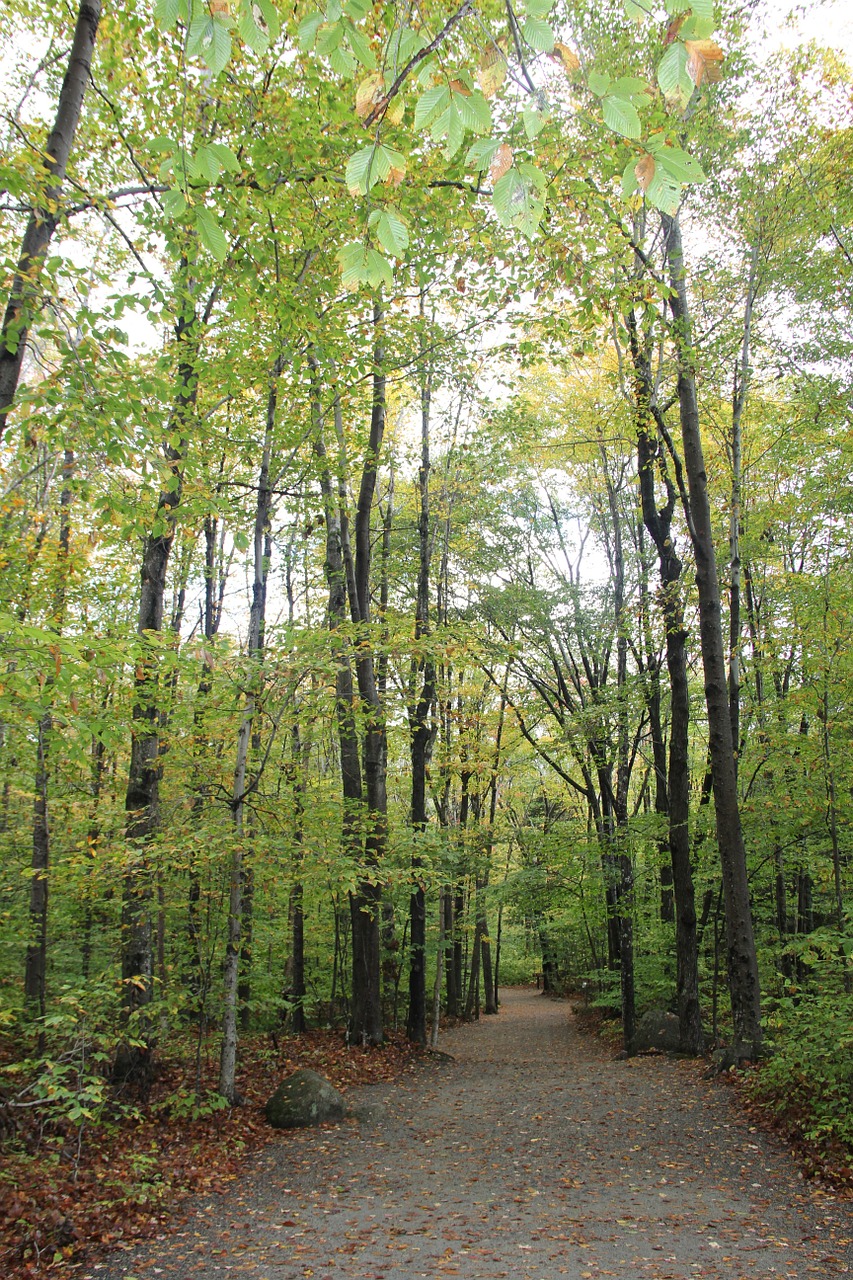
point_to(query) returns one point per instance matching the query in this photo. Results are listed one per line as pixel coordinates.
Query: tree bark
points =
(35, 970)
(142, 800)
(658, 521)
(23, 296)
(242, 781)
(420, 729)
(742, 964)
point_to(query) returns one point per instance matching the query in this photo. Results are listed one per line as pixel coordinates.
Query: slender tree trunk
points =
(739, 395)
(35, 972)
(420, 729)
(658, 522)
(24, 295)
(439, 965)
(142, 800)
(242, 781)
(365, 902)
(742, 963)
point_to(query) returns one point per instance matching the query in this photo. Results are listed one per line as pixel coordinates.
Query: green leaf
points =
(390, 230)
(370, 165)
(175, 203)
(518, 200)
(378, 270)
(664, 191)
(250, 33)
(538, 8)
(474, 110)
(351, 259)
(703, 10)
(210, 40)
(598, 82)
(673, 79)
(620, 115)
(639, 91)
(482, 152)
(225, 156)
(342, 63)
(307, 31)
(357, 9)
(534, 121)
(430, 104)
(360, 46)
(211, 234)
(450, 127)
(679, 164)
(269, 15)
(167, 12)
(205, 165)
(329, 38)
(636, 10)
(629, 178)
(538, 35)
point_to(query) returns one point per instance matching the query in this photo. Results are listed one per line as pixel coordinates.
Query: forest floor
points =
(525, 1151)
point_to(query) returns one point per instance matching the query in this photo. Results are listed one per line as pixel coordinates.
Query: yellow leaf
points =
(369, 92)
(567, 58)
(492, 71)
(703, 62)
(396, 110)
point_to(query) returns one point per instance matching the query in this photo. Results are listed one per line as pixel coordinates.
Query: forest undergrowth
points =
(72, 1187)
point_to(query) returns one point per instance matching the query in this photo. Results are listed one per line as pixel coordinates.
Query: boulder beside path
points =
(305, 1099)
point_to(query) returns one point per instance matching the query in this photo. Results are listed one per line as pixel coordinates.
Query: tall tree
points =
(46, 207)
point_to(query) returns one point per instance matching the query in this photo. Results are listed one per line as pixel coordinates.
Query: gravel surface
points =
(528, 1153)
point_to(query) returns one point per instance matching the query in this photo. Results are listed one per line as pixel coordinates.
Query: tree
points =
(46, 207)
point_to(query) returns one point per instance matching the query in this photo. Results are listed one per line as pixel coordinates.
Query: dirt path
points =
(530, 1155)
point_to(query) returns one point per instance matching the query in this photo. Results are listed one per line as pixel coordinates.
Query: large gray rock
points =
(304, 1099)
(657, 1029)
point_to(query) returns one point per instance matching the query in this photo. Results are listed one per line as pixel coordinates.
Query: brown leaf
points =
(458, 87)
(395, 177)
(674, 28)
(703, 62)
(501, 163)
(644, 171)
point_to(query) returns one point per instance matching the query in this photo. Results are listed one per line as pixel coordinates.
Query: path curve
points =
(529, 1154)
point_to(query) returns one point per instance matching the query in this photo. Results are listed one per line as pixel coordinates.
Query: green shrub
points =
(809, 1078)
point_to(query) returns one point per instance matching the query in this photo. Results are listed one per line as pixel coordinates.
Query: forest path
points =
(532, 1154)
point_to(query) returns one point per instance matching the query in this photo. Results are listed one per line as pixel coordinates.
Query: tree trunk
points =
(35, 973)
(658, 522)
(142, 800)
(742, 964)
(242, 781)
(365, 902)
(420, 730)
(24, 294)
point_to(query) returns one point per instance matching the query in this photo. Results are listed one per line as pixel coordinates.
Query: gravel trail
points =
(527, 1153)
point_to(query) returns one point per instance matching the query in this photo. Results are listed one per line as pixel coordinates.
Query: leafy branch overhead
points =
(436, 77)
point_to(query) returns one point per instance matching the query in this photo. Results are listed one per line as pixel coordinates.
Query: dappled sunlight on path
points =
(527, 1152)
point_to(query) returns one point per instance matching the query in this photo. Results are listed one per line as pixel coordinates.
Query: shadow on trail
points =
(528, 1153)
